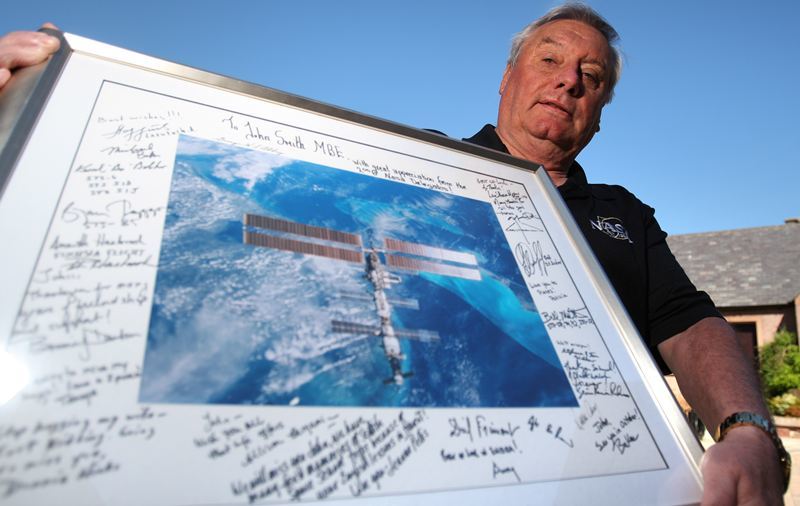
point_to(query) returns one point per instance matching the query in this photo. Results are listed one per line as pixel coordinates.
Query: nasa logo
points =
(612, 227)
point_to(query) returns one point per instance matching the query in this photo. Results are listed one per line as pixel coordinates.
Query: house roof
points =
(746, 267)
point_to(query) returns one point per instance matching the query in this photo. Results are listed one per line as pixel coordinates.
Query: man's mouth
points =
(552, 104)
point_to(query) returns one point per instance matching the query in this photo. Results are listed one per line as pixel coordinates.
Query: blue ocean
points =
(232, 323)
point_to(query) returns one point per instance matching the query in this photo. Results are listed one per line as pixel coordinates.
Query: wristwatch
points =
(756, 420)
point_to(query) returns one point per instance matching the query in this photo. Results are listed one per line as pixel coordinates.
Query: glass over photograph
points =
(284, 282)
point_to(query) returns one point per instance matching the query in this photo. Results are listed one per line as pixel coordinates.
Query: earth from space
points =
(233, 323)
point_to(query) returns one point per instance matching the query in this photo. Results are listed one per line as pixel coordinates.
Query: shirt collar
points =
(576, 185)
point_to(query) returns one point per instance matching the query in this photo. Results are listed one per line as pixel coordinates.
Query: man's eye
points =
(548, 60)
(591, 77)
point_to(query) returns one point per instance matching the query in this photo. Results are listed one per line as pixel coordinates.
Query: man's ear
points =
(504, 81)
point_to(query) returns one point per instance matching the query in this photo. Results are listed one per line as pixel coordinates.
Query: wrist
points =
(757, 429)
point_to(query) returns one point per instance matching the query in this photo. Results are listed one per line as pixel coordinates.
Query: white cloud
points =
(234, 162)
(252, 166)
(194, 146)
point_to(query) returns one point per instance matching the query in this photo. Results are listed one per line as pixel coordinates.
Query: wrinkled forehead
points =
(570, 36)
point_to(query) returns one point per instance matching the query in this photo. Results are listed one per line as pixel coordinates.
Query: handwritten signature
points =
(120, 212)
(503, 470)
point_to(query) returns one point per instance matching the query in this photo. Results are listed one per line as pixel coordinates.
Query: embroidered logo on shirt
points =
(612, 227)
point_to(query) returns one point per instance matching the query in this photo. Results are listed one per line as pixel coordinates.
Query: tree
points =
(779, 366)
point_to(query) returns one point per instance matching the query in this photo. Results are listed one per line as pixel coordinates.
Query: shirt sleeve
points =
(674, 303)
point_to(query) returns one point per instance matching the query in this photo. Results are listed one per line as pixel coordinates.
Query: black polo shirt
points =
(632, 248)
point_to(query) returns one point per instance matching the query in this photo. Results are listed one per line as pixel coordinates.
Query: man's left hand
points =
(742, 469)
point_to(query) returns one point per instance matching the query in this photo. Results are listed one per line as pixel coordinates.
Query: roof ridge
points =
(744, 229)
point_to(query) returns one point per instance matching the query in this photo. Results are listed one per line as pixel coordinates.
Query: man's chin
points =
(554, 132)
(555, 142)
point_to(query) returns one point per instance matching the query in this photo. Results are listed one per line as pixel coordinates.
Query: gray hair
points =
(576, 12)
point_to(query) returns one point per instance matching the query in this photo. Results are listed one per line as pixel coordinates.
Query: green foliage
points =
(783, 405)
(779, 365)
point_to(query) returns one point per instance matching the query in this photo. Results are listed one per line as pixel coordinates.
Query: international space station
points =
(378, 262)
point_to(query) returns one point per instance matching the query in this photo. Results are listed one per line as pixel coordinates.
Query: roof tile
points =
(744, 267)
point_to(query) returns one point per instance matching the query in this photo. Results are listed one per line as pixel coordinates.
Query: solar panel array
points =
(359, 328)
(433, 262)
(290, 227)
(354, 328)
(394, 301)
(307, 248)
(429, 251)
(422, 335)
(413, 264)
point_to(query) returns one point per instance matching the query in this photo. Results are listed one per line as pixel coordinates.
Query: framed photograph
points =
(218, 293)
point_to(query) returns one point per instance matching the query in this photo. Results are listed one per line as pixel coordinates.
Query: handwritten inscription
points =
(617, 437)
(557, 431)
(503, 470)
(508, 198)
(116, 213)
(325, 456)
(513, 206)
(80, 385)
(479, 438)
(100, 247)
(549, 289)
(586, 416)
(67, 450)
(280, 137)
(533, 259)
(93, 278)
(567, 318)
(404, 175)
(150, 130)
(59, 316)
(588, 374)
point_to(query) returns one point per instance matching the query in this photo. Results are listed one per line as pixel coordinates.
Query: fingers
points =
(719, 483)
(5, 75)
(22, 49)
(742, 470)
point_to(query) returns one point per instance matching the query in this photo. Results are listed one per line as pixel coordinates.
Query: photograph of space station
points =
(283, 282)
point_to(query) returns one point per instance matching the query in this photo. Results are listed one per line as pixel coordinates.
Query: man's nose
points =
(570, 79)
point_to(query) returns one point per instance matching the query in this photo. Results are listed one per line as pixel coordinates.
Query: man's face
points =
(552, 97)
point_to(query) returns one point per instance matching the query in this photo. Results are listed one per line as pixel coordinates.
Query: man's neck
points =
(543, 152)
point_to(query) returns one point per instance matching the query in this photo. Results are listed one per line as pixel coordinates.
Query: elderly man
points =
(561, 72)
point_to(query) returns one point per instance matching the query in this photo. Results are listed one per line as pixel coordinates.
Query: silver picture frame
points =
(175, 291)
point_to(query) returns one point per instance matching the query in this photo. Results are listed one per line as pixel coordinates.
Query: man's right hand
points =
(23, 49)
